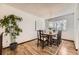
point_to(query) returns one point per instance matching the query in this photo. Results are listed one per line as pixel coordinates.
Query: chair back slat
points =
(39, 33)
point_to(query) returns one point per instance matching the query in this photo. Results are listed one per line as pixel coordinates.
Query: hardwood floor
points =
(67, 48)
(30, 48)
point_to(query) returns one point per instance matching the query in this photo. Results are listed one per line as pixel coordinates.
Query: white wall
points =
(27, 25)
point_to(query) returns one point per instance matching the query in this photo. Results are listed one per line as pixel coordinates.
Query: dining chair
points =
(39, 32)
(42, 39)
(57, 40)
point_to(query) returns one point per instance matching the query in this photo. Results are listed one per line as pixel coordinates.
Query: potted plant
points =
(50, 30)
(10, 25)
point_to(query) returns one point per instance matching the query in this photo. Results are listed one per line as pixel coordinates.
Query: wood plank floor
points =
(30, 48)
(67, 48)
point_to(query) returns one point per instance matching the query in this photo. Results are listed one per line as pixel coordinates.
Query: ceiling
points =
(45, 10)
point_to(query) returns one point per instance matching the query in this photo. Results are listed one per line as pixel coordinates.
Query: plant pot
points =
(50, 32)
(13, 46)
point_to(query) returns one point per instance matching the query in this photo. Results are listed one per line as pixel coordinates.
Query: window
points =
(58, 25)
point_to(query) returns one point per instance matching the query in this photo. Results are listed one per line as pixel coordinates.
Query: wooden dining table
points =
(50, 37)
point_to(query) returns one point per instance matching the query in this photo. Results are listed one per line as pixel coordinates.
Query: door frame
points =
(1, 37)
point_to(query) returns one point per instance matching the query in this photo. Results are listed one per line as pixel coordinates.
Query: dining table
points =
(50, 37)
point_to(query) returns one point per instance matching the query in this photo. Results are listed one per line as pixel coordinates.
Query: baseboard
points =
(23, 42)
(27, 41)
(68, 40)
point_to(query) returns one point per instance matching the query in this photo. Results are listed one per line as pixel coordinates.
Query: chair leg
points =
(42, 44)
(57, 43)
(42, 47)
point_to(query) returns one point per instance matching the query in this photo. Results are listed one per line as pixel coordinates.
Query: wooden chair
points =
(42, 39)
(57, 40)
